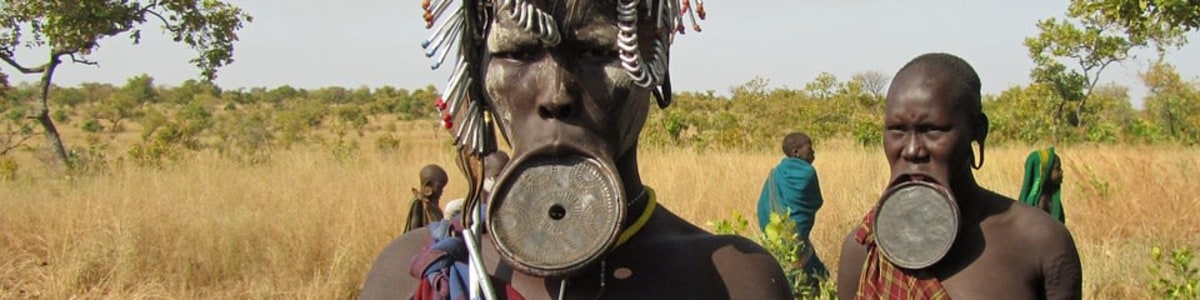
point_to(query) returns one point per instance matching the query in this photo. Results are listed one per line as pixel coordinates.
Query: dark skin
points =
(804, 151)
(493, 165)
(433, 183)
(929, 131)
(574, 97)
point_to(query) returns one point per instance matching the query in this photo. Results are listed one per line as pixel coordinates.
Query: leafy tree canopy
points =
(74, 28)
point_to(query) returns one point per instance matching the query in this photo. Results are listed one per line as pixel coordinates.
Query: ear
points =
(979, 134)
(981, 128)
(663, 93)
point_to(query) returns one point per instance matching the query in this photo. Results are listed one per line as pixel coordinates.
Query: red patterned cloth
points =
(881, 279)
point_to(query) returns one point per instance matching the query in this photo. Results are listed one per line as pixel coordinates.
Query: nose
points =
(560, 102)
(914, 150)
(556, 108)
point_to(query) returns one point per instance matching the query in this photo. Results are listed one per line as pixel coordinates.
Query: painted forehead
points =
(572, 12)
(594, 26)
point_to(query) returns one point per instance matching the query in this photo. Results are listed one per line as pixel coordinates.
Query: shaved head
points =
(433, 172)
(945, 70)
(433, 180)
(795, 141)
(798, 145)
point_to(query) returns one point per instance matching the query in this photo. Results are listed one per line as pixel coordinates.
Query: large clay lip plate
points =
(915, 224)
(585, 189)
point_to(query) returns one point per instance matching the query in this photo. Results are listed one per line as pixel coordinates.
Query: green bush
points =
(15, 128)
(91, 125)
(296, 123)
(166, 144)
(245, 137)
(868, 133)
(353, 117)
(389, 143)
(166, 141)
(1175, 276)
(782, 241)
(153, 154)
(88, 160)
(61, 117)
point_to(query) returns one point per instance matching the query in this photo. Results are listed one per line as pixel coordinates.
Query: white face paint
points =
(488, 184)
(505, 37)
(615, 75)
(618, 77)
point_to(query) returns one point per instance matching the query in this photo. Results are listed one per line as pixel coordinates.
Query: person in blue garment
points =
(792, 189)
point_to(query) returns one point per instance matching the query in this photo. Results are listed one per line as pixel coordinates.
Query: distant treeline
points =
(249, 122)
(754, 116)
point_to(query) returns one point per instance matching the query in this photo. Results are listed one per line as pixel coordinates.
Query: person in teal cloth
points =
(1042, 187)
(792, 188)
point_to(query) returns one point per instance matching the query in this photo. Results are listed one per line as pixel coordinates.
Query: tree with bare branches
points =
(873, 82)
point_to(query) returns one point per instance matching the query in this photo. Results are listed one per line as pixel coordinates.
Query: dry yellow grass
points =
(307, 226)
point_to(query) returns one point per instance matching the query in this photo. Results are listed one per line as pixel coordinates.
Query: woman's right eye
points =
(518, 55)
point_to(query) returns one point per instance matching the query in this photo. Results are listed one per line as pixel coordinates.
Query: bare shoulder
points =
(675, 232)
(1028, 223)
(388, 277)
(1057, 258)
(744, 268)
(748, 270)
(740, 252)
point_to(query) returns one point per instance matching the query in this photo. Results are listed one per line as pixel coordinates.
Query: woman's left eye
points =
(600, 53)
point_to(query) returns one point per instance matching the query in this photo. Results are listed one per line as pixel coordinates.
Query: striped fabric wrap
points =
(880, 279)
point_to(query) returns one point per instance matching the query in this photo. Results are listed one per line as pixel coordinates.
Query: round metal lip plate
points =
(554, 215)
(916, 224)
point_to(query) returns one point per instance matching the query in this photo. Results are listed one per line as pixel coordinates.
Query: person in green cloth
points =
(1043, 181)
(792, 189)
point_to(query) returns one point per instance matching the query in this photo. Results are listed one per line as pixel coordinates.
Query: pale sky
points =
(311, 44)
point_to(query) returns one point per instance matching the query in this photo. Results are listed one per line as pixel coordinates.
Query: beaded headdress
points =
(459, 29)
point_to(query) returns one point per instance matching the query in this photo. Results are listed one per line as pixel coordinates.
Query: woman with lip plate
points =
(933, 115)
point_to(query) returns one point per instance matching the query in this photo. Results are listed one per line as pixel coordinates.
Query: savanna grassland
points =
(308, 223)
(194, 191)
